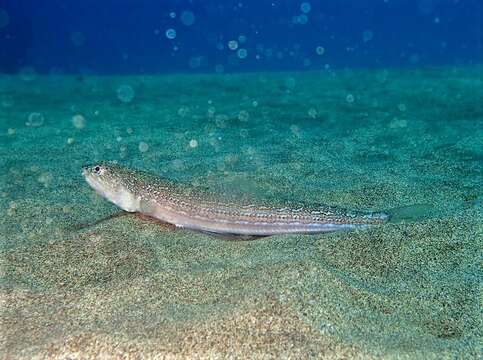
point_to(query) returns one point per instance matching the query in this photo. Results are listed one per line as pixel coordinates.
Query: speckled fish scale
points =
(188, 208)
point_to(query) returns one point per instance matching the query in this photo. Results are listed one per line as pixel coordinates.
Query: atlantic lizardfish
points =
(187, 207)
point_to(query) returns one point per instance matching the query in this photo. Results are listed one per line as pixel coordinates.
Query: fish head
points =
(112, 182)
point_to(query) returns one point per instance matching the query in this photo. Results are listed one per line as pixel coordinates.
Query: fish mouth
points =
(97, 185)
(91, 180)
(85, 170)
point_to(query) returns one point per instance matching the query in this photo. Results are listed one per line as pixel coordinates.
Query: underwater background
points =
(170, 36)
(371, 105)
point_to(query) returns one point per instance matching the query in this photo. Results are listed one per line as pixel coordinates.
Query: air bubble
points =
(312, 113)
(295, 130)
(45, 179)
(414, 59)
(302, 19)
(305, 7)
(171, 33)
(193, 143)
(398, 123)
(70, 141)
(242, 53)
(232, 44)
(243, 115)
(320, 50)
(211, 111)
(125, 93)
(220, 120)
(4, 18)
(367, 35)
(349, 98)
(187, 18)
(143, 147)
(35, 119)
(183, 111)
(78, 121)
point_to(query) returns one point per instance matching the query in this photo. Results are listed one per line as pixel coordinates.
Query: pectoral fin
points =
(83, 226)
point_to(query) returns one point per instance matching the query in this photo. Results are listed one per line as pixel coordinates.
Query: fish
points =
(188, 207)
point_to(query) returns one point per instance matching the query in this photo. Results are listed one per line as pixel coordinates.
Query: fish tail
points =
(417, 212)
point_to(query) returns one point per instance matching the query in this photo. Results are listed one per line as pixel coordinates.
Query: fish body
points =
(187, 207)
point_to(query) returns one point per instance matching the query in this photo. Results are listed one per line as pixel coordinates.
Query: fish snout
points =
(85, 170)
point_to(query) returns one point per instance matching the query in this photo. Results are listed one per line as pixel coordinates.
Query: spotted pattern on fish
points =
(188, 207)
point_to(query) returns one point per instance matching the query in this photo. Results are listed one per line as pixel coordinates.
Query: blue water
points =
(363, 105)
(129, 36)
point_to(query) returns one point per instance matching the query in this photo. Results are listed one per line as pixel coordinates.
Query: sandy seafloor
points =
(407, 141)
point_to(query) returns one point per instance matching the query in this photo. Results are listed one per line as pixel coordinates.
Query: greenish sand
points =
(406, 141)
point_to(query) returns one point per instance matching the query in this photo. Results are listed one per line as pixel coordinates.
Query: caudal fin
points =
(417, 212)
(412, 213)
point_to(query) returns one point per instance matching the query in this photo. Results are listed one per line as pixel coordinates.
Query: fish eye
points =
(97, 169)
